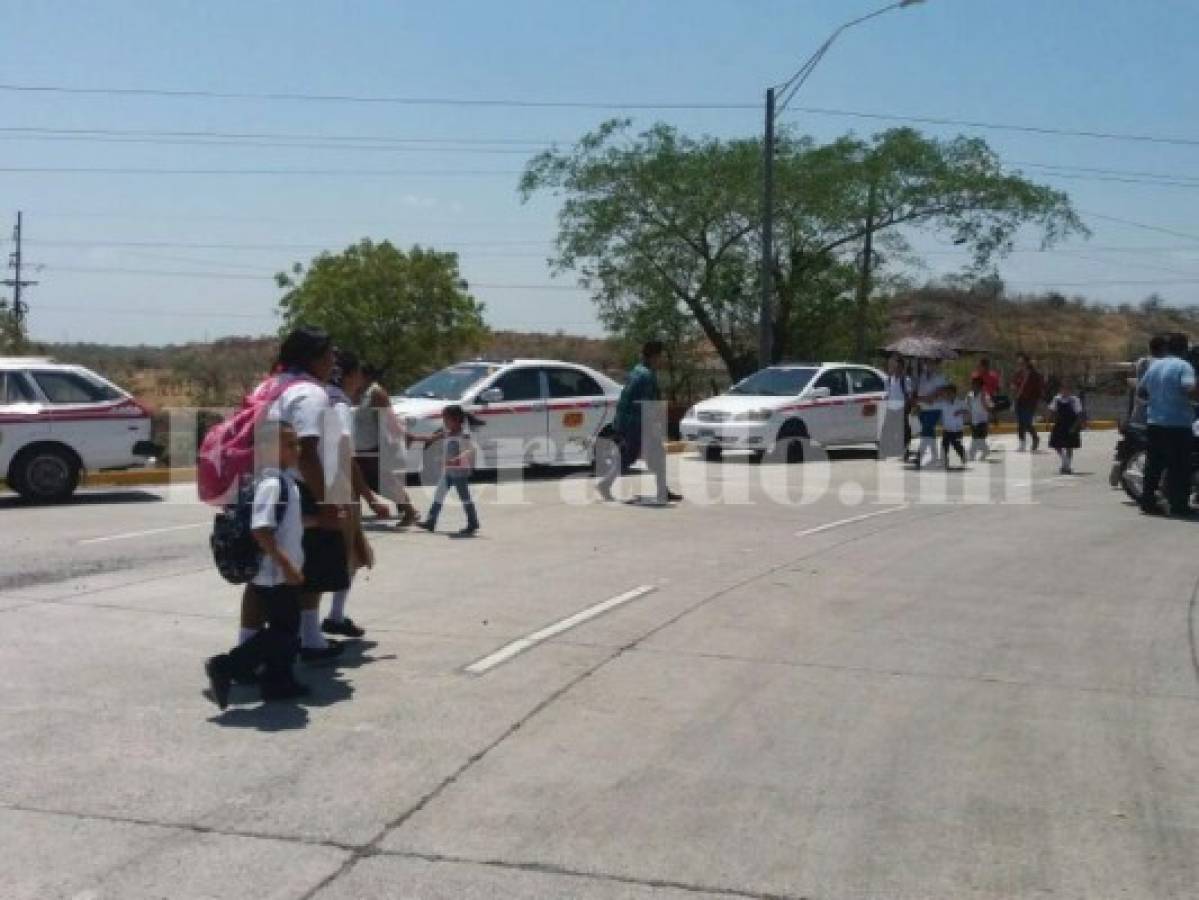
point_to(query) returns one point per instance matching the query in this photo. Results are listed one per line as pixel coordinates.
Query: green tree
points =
(410, 312)
(12, 334)
(661, 217)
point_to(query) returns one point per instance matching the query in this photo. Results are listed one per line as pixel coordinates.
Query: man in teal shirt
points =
(639, 429)
(1169, 389)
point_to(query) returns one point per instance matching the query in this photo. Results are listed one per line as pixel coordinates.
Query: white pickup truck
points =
(57, 421)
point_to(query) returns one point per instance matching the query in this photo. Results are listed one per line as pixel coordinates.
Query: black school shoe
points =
(321, 654)
(346, 628)
(220, 679)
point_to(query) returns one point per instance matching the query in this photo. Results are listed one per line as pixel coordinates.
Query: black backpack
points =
(234, 549)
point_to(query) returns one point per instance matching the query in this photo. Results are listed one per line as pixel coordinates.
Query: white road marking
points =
(136, 534)
(829, 526)
(508, 651)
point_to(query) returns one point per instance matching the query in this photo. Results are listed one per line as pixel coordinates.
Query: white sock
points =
(337, 611)
(244, 634)
(310, 630)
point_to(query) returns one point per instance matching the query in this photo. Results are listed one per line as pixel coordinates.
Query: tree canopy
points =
(659, 222)
(12, 335)
(409, 312)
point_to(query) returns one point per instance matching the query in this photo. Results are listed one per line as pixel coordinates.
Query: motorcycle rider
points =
(1169, 389)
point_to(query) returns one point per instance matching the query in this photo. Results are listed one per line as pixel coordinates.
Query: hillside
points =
(1066, 336)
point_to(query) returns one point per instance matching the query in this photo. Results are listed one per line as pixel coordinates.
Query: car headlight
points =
(753, 415)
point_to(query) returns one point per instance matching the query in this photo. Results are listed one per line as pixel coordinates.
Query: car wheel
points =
(46, 474)
(789, 445)
(1132, 478)
(757, 457)
(713, 453)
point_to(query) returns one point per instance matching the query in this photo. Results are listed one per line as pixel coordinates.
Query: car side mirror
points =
(819, 393)
(491, 395)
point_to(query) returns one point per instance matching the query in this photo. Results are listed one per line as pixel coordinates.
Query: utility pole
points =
(787, 91)
(19, 307)
(766, 314)
(863, 304)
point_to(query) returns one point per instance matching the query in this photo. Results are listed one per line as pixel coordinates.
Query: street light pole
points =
(775, 105)
(766, 313)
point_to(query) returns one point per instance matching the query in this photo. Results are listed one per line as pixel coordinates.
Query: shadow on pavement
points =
(85, 498)
(328, 687)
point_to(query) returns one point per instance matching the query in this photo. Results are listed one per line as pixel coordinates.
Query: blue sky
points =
(1098, 65)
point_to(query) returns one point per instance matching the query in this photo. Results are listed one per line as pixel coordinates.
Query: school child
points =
(278, 530)
(953, 423)
(458, 462)
(1068, 423)
(980, 404)
(928, 414)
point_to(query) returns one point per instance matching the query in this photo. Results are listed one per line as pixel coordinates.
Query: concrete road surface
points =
(895, 685)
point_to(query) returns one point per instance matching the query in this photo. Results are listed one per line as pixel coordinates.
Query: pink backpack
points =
(227, 452)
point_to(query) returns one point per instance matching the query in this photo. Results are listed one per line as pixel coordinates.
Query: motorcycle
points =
(1131, 457)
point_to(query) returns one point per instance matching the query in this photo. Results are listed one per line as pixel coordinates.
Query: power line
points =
(352, 173)
(1003, 126)
(270, 135)
(199, 245)
(371, 99)
(1095, 134)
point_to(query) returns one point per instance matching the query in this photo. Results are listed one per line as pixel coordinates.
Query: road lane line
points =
(136, 534)
(829, 526)
(520, 645)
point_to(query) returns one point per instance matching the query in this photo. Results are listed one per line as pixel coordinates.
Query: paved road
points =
(940, 690)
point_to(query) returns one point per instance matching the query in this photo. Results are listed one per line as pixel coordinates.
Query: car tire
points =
(757, 457)
(789, 445)
(46, 474)
(713, 454)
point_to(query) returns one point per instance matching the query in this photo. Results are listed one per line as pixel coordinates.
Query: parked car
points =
(537, 411)
(775, 411)
(57, 421)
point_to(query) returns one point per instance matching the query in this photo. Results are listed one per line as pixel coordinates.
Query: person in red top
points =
(992, 382)
(1028, 386)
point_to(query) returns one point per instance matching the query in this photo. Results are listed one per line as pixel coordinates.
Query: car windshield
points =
(774, 383)
(451, 383)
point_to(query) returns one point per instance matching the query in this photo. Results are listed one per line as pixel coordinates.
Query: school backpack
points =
(226, 455)
(234, 549)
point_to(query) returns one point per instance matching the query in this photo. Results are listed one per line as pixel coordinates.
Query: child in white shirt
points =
(980, 404)
(278, 529)
(953, 422)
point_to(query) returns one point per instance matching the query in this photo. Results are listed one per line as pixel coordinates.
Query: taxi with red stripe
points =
(536, 411)
(58, 421)
(782, 409)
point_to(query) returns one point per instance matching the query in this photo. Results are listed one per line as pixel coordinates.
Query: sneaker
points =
(672, 497)
(321, 654)
(346, 628)
(605, 495)
(220, 681)
(288, 690)
(467, 532)
(427, 526)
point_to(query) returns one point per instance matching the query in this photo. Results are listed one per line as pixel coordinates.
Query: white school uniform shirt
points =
(929, 384)
(337, 443)
(288, 528)
(1073, 401)
(302, 406)
(950, 420)
(979, 414)
(898, 389)
(458, 446)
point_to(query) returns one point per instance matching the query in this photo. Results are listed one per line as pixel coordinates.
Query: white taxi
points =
(781, 408)
(537, 411)
(56, 421)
